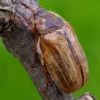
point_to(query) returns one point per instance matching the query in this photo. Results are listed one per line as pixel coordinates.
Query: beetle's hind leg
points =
(35, 53)
(46, 74)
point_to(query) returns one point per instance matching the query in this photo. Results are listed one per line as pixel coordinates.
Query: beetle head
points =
(38, 12)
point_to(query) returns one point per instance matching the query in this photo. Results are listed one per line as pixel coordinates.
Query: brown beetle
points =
(59, 50)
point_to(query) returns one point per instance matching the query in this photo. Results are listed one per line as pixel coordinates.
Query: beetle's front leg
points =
(25, 20)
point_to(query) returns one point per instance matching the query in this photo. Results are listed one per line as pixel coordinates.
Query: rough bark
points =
(18, 40)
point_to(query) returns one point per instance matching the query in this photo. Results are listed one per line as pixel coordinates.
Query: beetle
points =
(59, 50)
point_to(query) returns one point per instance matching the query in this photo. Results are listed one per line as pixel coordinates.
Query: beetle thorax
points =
(48, 22)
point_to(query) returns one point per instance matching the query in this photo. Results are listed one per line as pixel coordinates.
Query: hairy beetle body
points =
(58, 48)
(63, 55)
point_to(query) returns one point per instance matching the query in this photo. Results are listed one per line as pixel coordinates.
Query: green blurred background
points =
(84, 16)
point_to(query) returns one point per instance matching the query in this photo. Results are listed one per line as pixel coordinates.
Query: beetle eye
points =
(38, 24)
(39, 12)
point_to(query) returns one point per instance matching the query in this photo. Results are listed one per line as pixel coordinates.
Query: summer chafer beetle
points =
(59, 50)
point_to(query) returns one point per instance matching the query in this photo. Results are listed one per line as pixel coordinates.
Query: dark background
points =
(84, 16)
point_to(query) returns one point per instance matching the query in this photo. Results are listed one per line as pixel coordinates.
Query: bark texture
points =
(18, 40)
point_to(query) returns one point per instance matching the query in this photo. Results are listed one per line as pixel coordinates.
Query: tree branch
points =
(18, 40)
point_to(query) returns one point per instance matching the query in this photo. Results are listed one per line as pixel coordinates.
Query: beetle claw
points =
(32, 65)
(45, 90)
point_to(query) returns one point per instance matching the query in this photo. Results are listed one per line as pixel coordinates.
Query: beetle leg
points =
(34, 61)
(19, 20)
(45, 71)
(35, 53)
(25, 19)
(32, 15)
(46, 74)
(28, 7)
